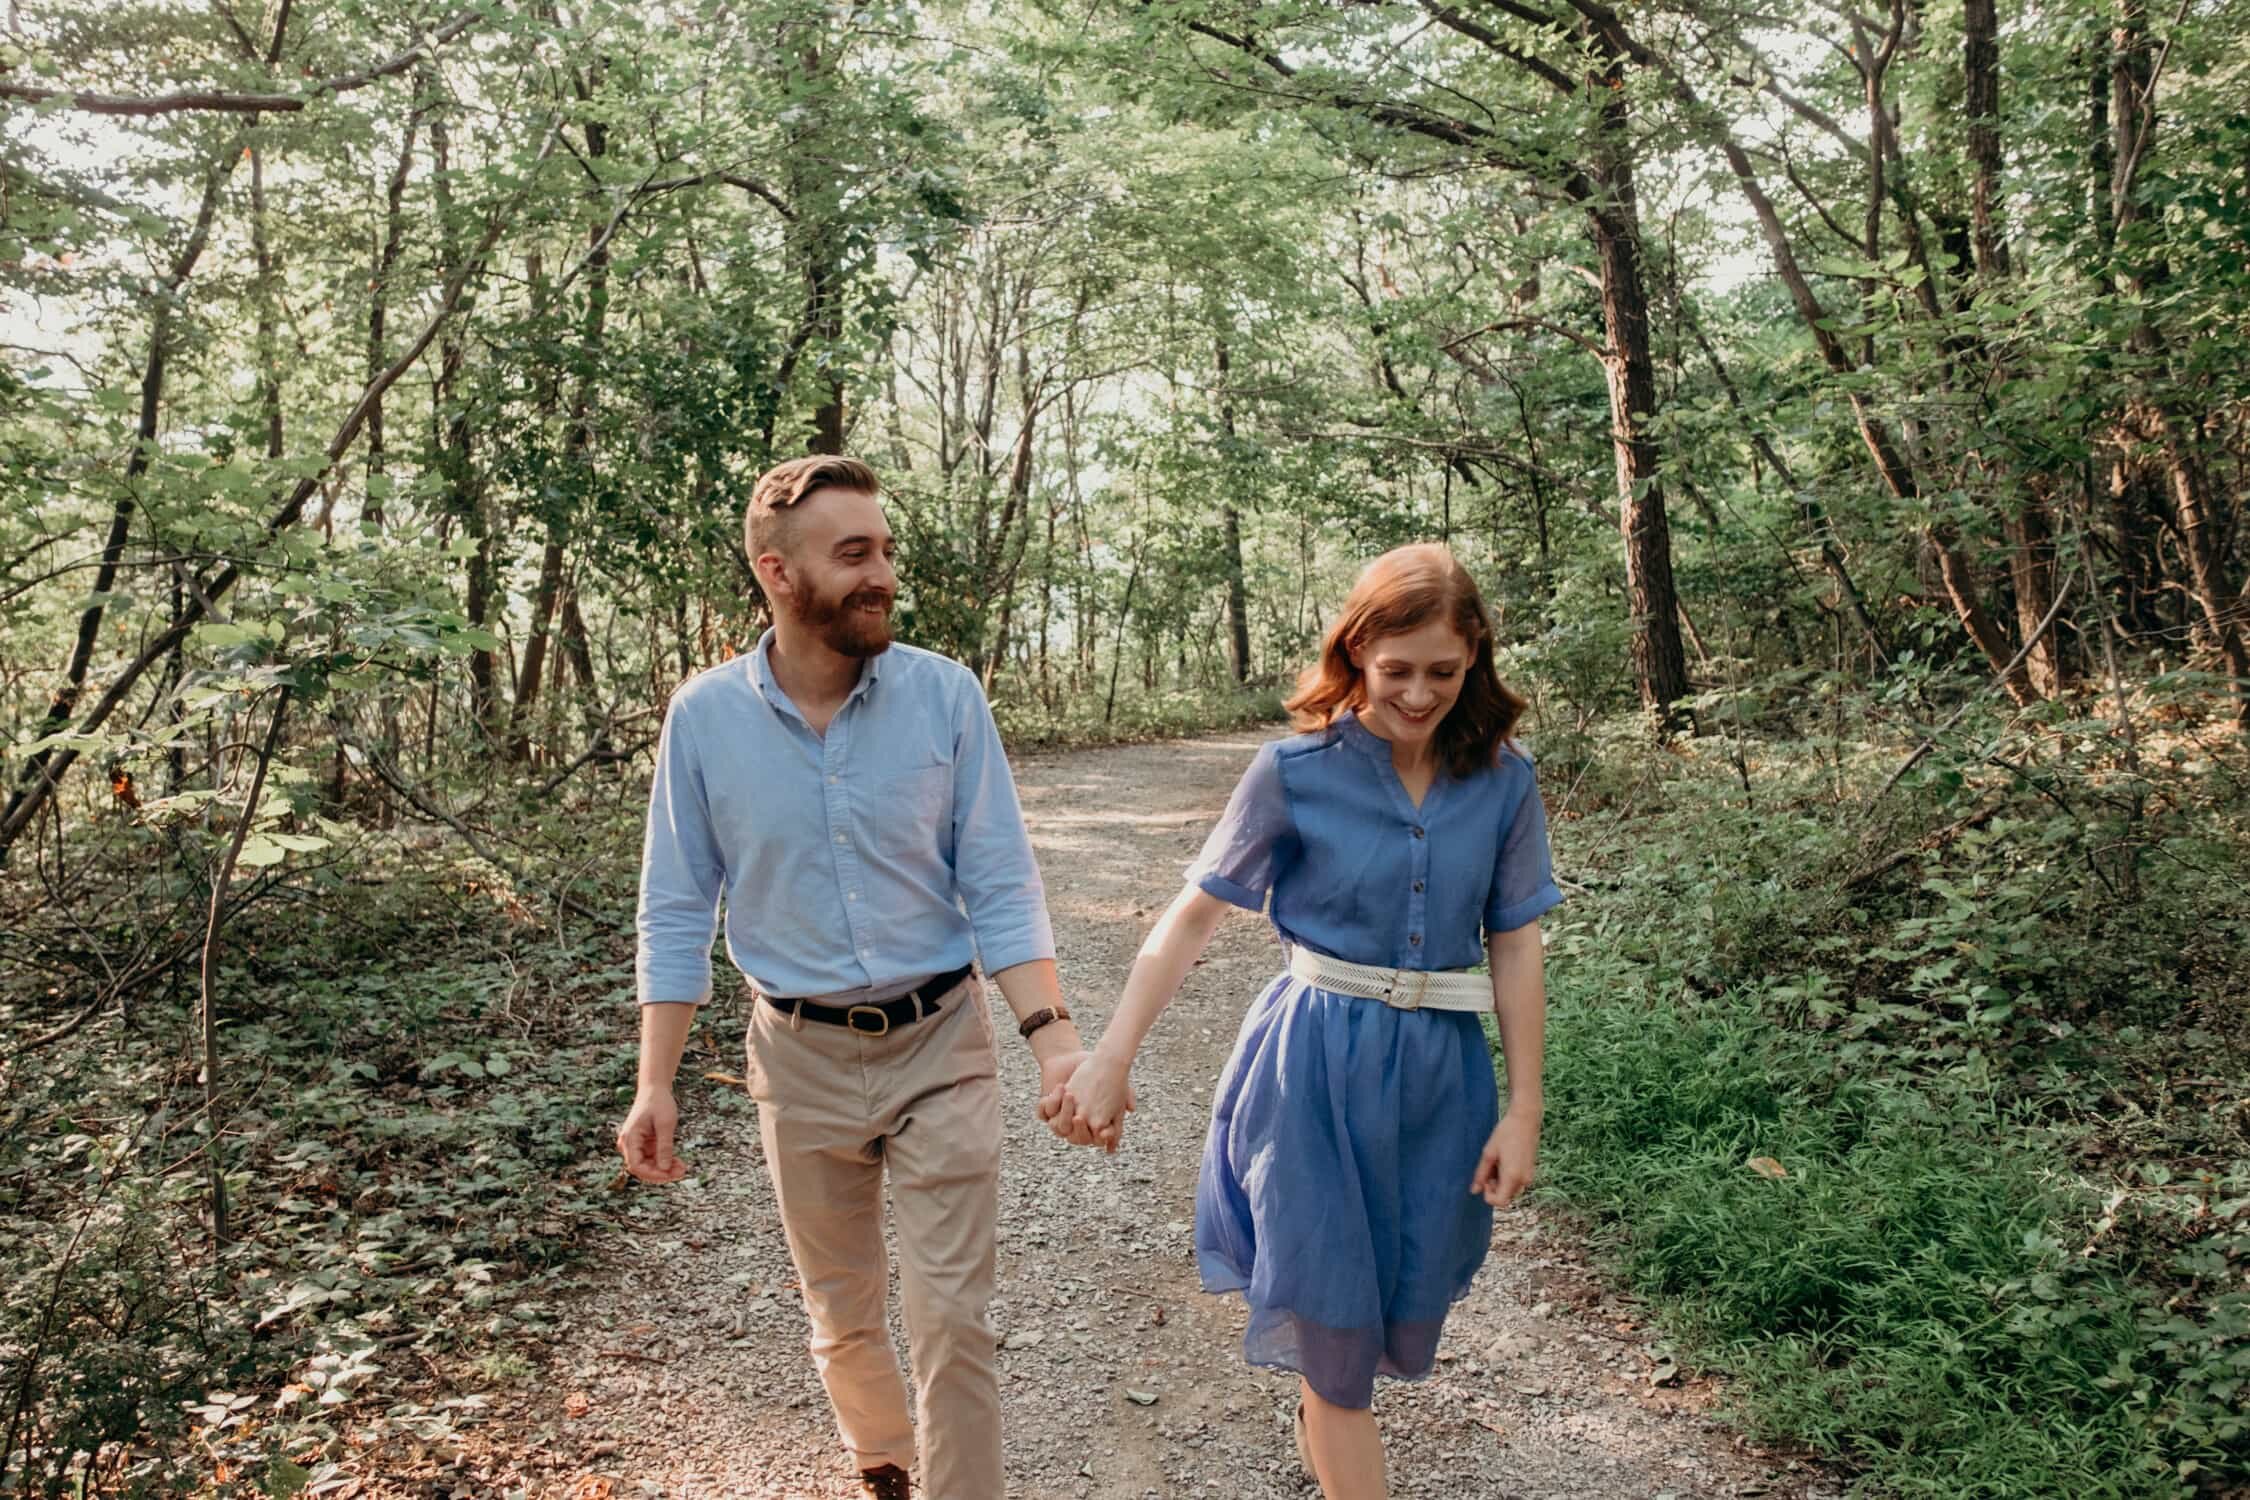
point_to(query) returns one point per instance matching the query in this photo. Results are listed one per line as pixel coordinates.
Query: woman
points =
(1357, 1148)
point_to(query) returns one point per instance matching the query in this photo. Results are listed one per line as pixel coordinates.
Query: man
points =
(848, 798)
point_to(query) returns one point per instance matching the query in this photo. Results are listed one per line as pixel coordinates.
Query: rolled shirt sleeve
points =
(1523, 875)
(1246, 845)
(993, 868)
(682, 874)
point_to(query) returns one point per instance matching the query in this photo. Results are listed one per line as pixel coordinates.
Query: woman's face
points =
(1412, 681)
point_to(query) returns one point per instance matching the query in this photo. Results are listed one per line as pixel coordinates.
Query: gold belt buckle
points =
(874, 1010)
(1420, 988)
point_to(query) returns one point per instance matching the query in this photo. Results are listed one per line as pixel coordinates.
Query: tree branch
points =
(391, 778)
(219, 101)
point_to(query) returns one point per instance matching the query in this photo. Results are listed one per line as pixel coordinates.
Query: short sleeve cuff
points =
(1509, 918)
(1010, 951)
(1237, 895)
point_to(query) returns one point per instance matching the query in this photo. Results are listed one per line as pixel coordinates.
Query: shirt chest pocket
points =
(908, 805)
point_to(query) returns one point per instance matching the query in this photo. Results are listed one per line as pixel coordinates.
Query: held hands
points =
(1055, 1072)
(1510, 1160)
(1089, 1106)
(645, 1139)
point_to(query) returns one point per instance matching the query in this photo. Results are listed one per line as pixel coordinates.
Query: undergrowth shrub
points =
(1882, 1085)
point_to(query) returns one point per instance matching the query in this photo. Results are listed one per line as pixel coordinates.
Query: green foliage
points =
(414, 1159)
(1994, 1251)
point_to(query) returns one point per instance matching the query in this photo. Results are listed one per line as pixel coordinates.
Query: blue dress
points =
(1334, 1192)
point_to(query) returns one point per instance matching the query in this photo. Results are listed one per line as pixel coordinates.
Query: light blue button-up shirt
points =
(845, 859)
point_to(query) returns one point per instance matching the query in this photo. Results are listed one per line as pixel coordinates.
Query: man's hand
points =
(645, 1138)
(1099, 1096)
(1055, 1070)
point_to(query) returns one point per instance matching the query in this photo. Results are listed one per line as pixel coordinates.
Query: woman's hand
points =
(1055, 1073)
(1510, 1160)
(1099, 1096)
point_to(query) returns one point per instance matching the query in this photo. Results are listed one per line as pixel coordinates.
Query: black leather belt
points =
(877, 1019)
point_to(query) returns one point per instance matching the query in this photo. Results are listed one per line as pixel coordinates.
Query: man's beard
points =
(845, 628)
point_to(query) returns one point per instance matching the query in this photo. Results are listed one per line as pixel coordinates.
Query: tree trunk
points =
(221, 879)
(2031, 567)
(545, 595)
(1980, 76)
(2170, 430)
(455, 441)
(1230, 539)
(1659, 662)
(378, 304)
(268, 338)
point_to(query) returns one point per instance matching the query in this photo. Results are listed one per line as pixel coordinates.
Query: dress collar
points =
(1357, 735)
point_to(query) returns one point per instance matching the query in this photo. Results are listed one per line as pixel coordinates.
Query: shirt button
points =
(1417, 830)
(854, 896)
(831, 781)
(1417, 886)
(1416, 940)
(841, 839)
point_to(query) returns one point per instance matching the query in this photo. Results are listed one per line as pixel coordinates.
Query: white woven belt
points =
(1406, 989)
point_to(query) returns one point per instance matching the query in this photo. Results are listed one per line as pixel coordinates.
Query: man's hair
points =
(771, 521)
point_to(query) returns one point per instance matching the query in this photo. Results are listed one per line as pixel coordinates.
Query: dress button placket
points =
(1417, 906)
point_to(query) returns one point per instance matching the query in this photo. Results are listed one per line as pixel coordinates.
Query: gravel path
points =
(684, 1372)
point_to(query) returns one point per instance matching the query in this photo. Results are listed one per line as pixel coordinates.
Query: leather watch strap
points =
(1046, 1015)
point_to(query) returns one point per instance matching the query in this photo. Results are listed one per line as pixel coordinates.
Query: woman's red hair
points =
(1401, 591)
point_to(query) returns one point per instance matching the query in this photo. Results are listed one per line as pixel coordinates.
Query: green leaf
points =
(258, 851)
(214, 634)
(285, 1479)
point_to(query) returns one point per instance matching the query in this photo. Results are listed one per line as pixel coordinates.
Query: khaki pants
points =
(835, 1107)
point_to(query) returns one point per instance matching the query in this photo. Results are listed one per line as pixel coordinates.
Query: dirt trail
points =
(683, 1373)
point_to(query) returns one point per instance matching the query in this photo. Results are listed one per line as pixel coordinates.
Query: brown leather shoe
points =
(886, 1483)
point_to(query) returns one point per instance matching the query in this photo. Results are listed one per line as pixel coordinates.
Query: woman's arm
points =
(1100, 1093)
(1519, 1000)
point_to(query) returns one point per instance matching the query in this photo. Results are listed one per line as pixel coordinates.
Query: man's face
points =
(837, 578)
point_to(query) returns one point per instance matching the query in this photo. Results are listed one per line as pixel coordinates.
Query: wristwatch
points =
(1042, 1017)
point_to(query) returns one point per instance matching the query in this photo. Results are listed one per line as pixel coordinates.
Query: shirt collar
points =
(761, 673)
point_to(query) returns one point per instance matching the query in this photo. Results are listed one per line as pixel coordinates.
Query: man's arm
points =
(1007, 904)
(646, 1136)
(681, 878)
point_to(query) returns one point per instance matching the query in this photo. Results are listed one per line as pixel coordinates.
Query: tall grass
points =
(1898, 1299)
